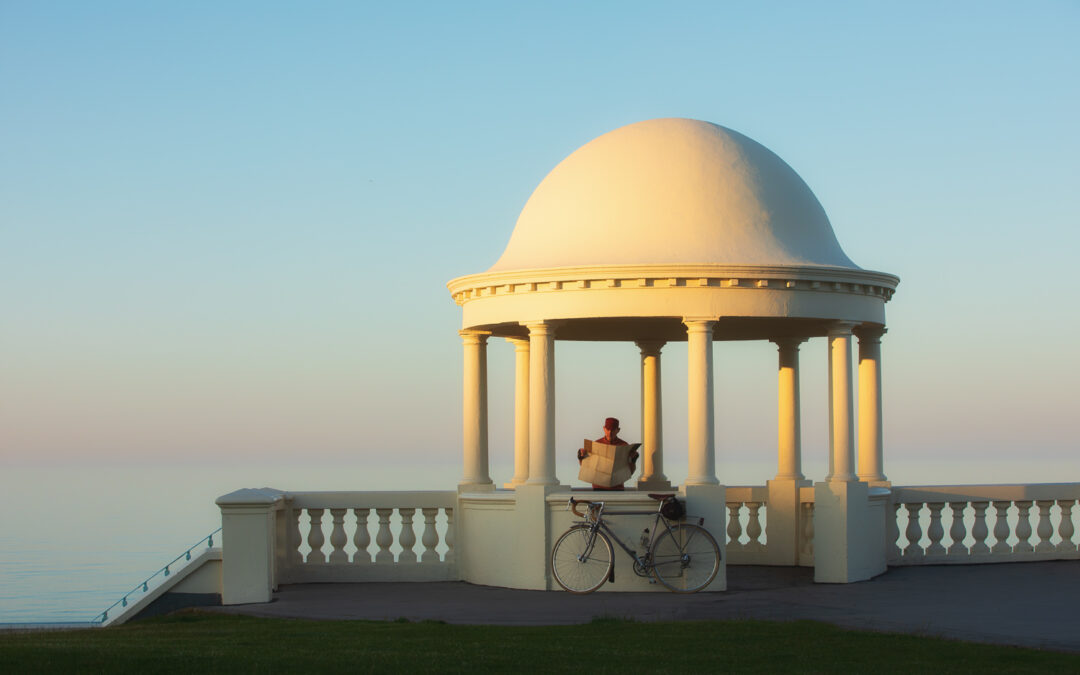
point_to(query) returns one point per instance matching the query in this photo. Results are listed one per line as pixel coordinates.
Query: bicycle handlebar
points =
(574, 504)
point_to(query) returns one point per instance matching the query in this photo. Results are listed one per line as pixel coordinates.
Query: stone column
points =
(841, 405)
(521, 411)
(699, 402)
(474, 412)
(871, 452)
(541, 404)
(788, 424)
(652, 437)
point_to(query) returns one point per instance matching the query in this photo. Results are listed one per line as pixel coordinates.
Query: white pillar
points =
(699, 402)
(788, 423)
(541, 404)
(521, 411)
(871, 452)
(474, 411)
(841, 405)
(250, 545)
(652, 436)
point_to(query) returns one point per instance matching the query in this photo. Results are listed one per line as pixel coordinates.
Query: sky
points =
(226, 228)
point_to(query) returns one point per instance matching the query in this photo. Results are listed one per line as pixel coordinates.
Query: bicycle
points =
(682, 556)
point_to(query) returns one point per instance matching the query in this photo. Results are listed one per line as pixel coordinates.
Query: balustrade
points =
(920, 514)
(747, 527)
(359, 547)
(1065, 526)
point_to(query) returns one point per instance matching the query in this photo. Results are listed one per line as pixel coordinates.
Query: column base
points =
(654, 485)
(513, 485)
(475, 487)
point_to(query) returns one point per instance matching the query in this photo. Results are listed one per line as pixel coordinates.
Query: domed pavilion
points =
(675, 230)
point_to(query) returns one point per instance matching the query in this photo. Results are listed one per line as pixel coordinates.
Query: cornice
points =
(748, 277)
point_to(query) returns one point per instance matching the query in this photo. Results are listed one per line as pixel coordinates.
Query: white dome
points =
(672, 191)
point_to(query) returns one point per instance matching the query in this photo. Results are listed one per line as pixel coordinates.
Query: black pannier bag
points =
(673, 509)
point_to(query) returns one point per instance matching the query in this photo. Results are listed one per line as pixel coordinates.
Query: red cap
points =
(611, 423)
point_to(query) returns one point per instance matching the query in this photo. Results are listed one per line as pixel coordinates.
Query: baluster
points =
(935, 531)
(734, 527)
(315, 537)
(384, 538)
(449, 535)
(978, 529)
(407, 538)
(913, 531)
(753, 526)
(1023, 528)
(430, 538)
(361, 538)
(808, 529)
(295, 557)
(1045, 530)
(338, 538)
(957, 531)
(1001, 528)
(1065, 527)
(893, 535)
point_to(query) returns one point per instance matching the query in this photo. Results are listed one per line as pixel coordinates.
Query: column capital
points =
(870, 332)
(541, 327)
(841, 328)
(699, 324)
(788, 342)
(474, 337)
(650, 347)
(521, 344)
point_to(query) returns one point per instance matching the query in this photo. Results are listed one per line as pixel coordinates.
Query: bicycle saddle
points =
(660, 497)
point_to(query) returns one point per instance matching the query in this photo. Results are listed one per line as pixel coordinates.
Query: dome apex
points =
(672, 191)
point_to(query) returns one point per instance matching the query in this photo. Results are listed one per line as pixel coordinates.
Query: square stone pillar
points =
(710, 502)
(248, 555)
(849, 532)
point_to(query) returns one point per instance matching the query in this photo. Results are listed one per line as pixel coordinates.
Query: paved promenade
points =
(1030, 604)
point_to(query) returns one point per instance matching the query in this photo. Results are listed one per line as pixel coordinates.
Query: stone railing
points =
(982, 523)
(747, 521)
(365, 536)
(748, 527)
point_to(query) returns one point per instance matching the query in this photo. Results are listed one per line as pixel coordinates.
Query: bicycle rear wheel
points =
(581, 560)
(685, 558)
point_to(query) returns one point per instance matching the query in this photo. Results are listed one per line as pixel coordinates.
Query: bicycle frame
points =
(594, 518)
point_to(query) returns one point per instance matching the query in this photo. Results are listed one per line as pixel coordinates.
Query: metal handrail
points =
(164, 572)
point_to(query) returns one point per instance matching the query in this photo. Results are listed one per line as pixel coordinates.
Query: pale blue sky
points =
(225, 230)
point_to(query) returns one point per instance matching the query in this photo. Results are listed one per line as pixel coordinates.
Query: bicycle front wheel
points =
(685, 558)
(581, 559)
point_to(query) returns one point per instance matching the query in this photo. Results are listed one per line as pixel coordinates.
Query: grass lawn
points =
(204, 642)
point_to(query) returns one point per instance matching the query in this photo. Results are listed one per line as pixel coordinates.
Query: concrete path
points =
(1030, 604)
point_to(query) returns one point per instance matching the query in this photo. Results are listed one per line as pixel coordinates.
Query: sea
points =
(74, 539)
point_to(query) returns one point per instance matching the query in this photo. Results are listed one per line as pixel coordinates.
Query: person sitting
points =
(611, 437)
